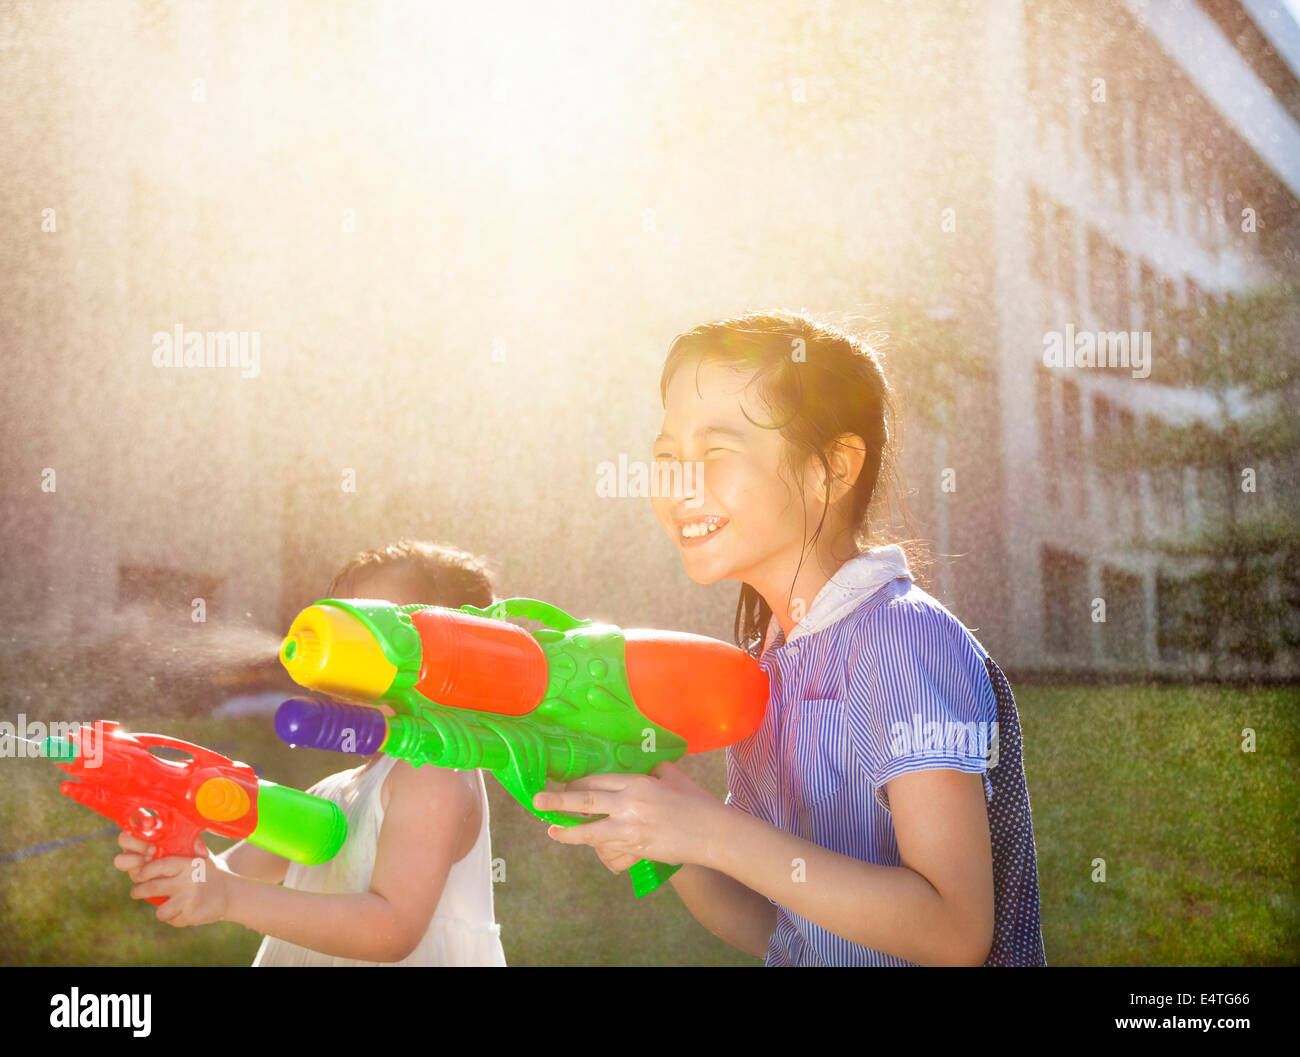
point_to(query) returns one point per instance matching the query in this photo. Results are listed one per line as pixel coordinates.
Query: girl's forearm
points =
(891, 909)
(360, 925)
(248, 860)
(735, 914)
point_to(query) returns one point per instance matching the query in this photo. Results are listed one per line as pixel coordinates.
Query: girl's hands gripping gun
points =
(169, 803)
(473, 690)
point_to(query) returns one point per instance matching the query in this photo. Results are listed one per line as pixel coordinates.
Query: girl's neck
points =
(789, 594)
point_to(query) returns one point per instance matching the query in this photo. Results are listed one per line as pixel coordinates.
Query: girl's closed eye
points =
(667, 456)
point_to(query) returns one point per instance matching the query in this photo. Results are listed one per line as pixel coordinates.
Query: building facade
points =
(1147, 160)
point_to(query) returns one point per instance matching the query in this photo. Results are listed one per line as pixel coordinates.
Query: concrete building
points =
(1149, 156)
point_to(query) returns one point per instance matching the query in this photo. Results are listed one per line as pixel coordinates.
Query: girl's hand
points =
(667, 818)
(197, 892)
(136, 853)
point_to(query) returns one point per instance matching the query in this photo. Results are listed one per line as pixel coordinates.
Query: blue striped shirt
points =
(878, 680)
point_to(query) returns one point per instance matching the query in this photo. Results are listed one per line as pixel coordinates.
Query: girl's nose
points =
(682, 483)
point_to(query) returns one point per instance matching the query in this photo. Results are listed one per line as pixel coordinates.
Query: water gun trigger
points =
(168, 831)
(561, 818)
(147, 825)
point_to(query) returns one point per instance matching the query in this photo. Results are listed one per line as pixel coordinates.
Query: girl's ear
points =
(846, 455)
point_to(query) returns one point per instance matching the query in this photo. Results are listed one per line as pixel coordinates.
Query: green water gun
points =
(473, 690)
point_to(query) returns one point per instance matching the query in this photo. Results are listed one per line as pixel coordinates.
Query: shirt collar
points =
(855, 581)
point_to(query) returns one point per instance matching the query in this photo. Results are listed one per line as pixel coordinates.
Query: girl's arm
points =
(248, 860)
(935, 909)
(426, 829)
(431, 821)
(735, 914)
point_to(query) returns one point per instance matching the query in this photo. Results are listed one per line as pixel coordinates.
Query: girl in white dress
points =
(462, 930)
(412, 885)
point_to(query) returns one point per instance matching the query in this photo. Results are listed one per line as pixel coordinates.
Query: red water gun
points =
(168, 803)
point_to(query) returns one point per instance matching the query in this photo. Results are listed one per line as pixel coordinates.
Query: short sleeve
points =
(919, 698)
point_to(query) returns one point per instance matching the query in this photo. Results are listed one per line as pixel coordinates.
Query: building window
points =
(1231, 308)
(1169, 300)
(1148, 295)
(1072, 448)
(1196, 306)
(1146, 152)
(1215, 203)
(1123, 633)
(1128, 441)
(1179, 631)
(1123, 300)
(1063, 272)
(1167, 484)
(1038, 236)
(1045, 80)
(1103, 434)
(1048, 442)
(1154, 151)
(1067, 618)
(1216, 490)
(1108, 283)
(1103, 139)
(1090, 128)
(1167, 494)
(1169, 337)
(1122, 86)
(1099, 294)
(1199, 184)
(1041, 251)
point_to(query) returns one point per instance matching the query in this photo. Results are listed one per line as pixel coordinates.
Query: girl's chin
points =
(707, 572)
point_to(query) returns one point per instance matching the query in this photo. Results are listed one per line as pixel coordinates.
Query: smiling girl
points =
(879, 815)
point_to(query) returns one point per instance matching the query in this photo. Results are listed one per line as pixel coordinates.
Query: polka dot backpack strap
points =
(1017, 933)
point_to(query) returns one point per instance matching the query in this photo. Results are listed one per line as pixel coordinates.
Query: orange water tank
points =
(709, 692)
(472, 662)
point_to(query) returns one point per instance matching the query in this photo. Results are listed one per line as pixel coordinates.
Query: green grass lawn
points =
(1199, 841)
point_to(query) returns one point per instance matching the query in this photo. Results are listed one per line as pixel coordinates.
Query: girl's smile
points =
(695, 532)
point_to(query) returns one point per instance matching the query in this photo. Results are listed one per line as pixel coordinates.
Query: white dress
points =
(463, 930)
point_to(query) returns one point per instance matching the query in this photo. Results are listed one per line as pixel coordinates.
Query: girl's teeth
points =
(702, 528)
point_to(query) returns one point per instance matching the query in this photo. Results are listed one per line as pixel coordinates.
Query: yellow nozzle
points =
(221, 800)
(330, 651)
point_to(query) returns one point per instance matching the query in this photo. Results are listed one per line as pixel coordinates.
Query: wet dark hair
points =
(829, 385)
(440, 574)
